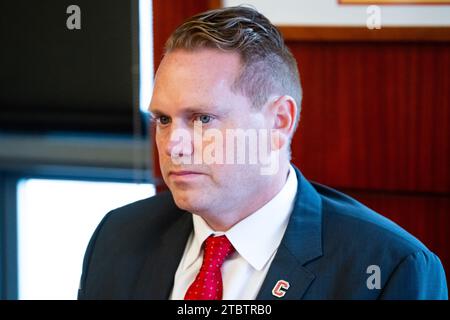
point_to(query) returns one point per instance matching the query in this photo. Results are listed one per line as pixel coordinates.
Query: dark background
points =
(56, 79)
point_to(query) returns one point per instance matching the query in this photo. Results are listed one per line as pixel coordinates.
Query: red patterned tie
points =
(208, 283)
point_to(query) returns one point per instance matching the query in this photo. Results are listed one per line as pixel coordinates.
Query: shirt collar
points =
(257, 237)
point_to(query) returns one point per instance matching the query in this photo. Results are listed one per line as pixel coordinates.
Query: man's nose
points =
(180, 143)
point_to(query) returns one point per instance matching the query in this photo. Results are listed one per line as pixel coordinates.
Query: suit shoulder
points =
(136, 225)
(154, 211)
(121, 243)
(349, 221)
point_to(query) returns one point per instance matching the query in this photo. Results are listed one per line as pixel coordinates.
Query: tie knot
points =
(217, 249)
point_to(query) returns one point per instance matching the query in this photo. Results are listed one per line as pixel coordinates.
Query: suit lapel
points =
(157, 276)
(302, 242)
(286, 268)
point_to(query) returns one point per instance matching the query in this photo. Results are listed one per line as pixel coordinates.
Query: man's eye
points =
(163, 120)
(204, 118)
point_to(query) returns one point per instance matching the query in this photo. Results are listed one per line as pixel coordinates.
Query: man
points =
(232, 228)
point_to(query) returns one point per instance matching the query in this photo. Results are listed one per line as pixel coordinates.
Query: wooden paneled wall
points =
(379, 110)
(375, 124)
(375, 119)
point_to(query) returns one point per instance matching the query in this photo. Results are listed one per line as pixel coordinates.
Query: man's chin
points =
(188, 200)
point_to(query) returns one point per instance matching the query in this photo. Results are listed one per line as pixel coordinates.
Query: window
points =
(56, 219)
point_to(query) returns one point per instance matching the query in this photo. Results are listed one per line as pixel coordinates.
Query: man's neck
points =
(222, 222)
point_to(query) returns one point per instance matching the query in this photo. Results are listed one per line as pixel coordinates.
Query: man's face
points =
(194, 87)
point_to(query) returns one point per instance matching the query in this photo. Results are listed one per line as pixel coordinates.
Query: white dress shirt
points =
(256, 240)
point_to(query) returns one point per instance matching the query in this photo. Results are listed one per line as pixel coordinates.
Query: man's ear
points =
(284, 111)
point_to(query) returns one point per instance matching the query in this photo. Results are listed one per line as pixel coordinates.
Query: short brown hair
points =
(268, 66)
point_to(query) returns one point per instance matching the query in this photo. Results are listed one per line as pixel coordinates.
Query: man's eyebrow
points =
(199, 109)
(191, 110)
(156, 112)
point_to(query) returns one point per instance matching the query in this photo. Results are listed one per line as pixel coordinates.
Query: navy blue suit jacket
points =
(330, 242)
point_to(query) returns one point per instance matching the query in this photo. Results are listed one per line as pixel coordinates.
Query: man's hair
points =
(268, 66)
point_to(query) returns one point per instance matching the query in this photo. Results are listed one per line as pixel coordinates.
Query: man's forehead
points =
(201, 54)
(169, 97)
(195, 82)
(187, 109)
(210, 62)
